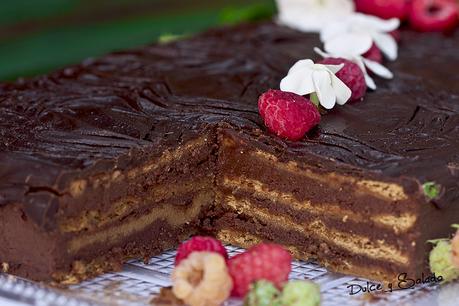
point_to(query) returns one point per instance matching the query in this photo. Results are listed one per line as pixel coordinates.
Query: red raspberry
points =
(351, 75)
(396, 35)
(374, 54)
(265, 261)
(433, 15)
(287, 114)
(199, 244)
(383, 8)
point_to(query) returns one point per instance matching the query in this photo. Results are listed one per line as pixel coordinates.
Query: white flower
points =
(312, 15)
(378, 29)
(305, 78)
(351, 47)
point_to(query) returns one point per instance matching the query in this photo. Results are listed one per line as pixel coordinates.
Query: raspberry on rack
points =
(265, 261)
(197, 244)
(202, 279)
(455, 248)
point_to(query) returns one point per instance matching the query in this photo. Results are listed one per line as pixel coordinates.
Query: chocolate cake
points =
(126, 155)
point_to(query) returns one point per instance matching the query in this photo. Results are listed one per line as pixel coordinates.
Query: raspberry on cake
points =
(351, 75)
(287, 114)
(374, 54)
(434, 15)
(384, 8)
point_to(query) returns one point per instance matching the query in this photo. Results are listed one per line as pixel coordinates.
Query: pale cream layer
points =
(398, 224)
(174, 215)
(383, 190)
(247, 240)
(353, 243)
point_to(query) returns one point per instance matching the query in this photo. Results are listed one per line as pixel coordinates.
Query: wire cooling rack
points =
(138, 283)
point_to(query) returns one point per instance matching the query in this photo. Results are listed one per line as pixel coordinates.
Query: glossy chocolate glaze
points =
(102, 114)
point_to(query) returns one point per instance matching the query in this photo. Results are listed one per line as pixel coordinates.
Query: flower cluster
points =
(356, 37)
(305, 78)
(351, 37)
(312, 15)
(353, 49)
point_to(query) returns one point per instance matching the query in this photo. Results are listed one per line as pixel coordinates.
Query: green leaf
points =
(431, 190)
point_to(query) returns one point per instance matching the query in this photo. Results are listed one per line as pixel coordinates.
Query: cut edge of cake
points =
(227, 185)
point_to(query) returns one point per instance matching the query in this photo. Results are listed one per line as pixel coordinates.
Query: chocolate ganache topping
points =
(95, 116)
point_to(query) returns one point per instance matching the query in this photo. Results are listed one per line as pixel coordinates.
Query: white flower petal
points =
(324, 89)
(299, 78)
(301, 65)
(296, 20)
(307, 86)
(378, 69)
(334, 68)
(375, 23)
(333, 30)
(299, 82)
(322, 53)
(342, 92)
(387, 44)
(349, 44)
(369, 81)
(312, 15)
(359, 61)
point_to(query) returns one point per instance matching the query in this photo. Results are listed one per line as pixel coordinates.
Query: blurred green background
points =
(37, 36)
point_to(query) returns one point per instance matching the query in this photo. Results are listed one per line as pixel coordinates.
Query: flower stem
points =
(314, 99)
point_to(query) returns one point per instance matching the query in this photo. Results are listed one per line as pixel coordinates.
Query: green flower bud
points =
(431, 190)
